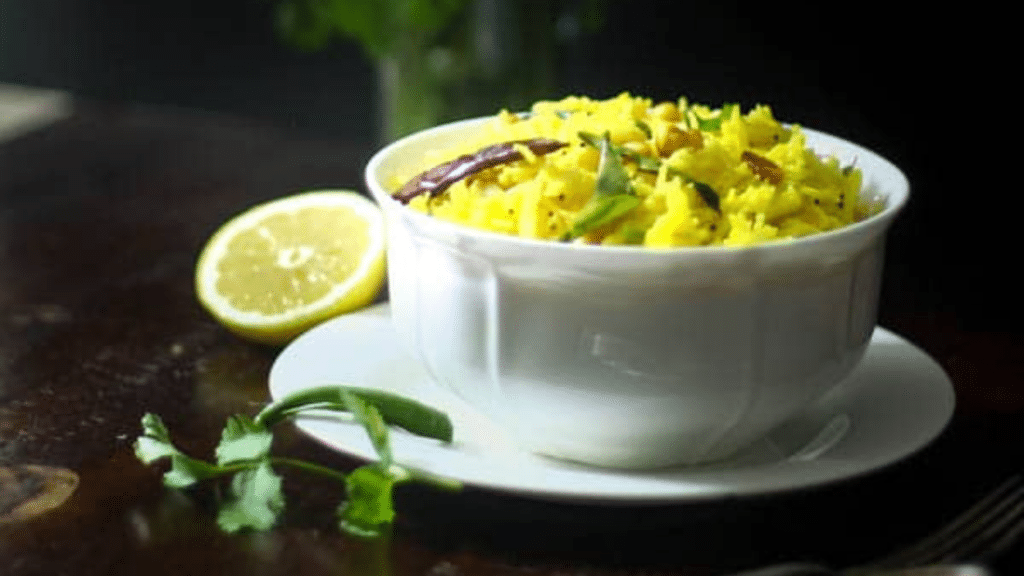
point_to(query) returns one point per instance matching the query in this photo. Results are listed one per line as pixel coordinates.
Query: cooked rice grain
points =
(543, 196)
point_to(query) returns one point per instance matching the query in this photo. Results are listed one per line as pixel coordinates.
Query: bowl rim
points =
(895, 201)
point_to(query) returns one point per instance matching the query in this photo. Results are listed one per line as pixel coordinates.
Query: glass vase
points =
(492, 55)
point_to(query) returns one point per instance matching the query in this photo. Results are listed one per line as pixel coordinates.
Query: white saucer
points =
(895, 402)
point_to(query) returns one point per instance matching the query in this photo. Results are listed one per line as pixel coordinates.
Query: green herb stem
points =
(309, 467)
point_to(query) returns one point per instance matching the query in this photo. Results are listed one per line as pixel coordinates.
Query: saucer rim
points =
(580, 483)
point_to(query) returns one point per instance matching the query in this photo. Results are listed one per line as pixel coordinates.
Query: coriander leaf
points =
(243, 439)
(155, 444)
(376, 429)
(369, 503)
(256, 501)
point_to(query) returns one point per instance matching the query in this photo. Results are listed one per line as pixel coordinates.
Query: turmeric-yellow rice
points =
(722, 177)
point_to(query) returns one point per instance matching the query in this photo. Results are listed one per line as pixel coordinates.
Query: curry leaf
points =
(643, 127)
(613, 195)
(708, 194)
(714, 123)
(704, 190)
(643, 162)
(604, 211)
(612, 178)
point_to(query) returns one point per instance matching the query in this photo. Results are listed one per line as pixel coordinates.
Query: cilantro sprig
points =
(255, 498)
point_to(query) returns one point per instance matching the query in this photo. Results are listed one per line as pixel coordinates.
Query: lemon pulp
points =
(282, 267)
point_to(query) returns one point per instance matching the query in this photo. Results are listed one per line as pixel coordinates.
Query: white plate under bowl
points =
(895, 402)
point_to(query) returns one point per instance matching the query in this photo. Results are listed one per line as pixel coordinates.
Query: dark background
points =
(913, 84)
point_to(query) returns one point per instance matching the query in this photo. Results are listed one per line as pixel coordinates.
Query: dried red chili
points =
(437, 179)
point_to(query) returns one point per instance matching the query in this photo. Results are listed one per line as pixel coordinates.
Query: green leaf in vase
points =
(377, 25)
(302, 24)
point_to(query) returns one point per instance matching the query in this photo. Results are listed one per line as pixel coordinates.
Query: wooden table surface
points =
(101, 218)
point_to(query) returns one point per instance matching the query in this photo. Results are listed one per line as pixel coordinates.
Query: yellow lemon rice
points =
(767, 183)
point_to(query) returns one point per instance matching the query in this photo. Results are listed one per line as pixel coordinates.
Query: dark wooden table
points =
(101, 218)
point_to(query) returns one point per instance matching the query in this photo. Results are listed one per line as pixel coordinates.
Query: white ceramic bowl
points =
(631, 357)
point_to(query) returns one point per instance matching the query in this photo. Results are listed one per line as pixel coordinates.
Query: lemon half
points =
(279, 268)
